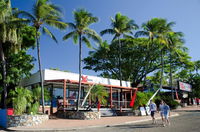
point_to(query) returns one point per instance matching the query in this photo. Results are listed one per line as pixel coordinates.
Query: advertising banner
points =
(185, 86)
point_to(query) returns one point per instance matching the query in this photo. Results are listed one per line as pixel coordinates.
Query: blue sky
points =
(64, 55)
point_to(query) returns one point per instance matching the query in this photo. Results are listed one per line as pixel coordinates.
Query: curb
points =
(130, 122)
(79, 128)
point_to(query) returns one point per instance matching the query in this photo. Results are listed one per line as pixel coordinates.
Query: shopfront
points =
(64, 87)
(185, 91)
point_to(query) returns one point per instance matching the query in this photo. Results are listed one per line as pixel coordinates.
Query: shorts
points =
(166, 116)
(152, 113)
(162, 113)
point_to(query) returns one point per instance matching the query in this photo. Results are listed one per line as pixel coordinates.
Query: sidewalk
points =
(68, 124)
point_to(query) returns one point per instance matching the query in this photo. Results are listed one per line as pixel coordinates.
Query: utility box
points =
(3, 118)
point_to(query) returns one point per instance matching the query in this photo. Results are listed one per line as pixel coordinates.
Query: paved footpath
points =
(69, 124)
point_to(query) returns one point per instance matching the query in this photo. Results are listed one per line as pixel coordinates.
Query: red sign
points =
(84, 78)
(133, 99)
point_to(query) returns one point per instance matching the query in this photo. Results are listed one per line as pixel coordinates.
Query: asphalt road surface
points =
(188, 121)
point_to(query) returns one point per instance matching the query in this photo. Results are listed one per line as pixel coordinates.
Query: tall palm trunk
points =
(162, 69)
(146, 65)
(80, 73)
(120, 70)
(120, 56)
(170, 70)
(40, 69)
(4, 76)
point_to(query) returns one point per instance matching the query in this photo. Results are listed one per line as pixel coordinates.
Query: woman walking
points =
(166, 111)
(161, 110)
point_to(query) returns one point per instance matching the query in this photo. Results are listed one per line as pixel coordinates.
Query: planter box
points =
(25, 120)
(82, 115)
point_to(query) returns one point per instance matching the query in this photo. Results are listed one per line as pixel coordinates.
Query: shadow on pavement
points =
(186, 110)
(138, 126)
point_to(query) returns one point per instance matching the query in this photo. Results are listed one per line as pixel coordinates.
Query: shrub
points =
(168, 100)
(21, 97)
(24, 99)
(141, 99)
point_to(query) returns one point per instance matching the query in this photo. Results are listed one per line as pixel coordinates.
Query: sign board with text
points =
(185, 86)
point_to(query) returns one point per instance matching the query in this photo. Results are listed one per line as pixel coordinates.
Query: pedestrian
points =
(166, 111)
(161, 110)
(153, 109)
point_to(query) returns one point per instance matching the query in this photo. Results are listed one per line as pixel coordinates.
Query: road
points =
(187, 122)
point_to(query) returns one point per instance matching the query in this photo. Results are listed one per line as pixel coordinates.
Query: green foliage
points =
(25, 100)
(195, 82)
(142, 98)
(168, 100)
(120, 25)
(133, 60)
(80, 28)
(21, 97)
(28, 37)
(47, 95)
(155, 79)
(19, 67)
(33, 107)
(98, 92)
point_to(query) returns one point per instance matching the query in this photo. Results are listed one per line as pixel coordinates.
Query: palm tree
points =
(9, 32)
(5, 10)
(174, 44)
(157, 28)
(99, 94)
(120, 26)
(80, 33)
(150, 30)
(161, 37)
(44, 13)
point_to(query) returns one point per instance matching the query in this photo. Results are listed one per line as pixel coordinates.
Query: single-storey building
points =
(64, 85)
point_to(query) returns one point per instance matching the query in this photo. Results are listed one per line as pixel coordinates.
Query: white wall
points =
(55, 75)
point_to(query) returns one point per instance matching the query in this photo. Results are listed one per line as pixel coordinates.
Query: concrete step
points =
(107, 112)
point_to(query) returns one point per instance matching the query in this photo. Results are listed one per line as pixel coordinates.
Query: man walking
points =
(153, 109)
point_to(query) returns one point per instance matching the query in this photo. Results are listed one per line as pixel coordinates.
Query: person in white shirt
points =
(153, 109)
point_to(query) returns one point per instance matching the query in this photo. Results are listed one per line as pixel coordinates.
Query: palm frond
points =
(114, 38)
(75, 38)
(86, 41)
(92, 34)
(141, 33)
(71, 26)
(56, 24)
(128, 36)
(83, 18)
(46, 31)
(107, 31)
(69, 35)
(56, 8)
(26, 15)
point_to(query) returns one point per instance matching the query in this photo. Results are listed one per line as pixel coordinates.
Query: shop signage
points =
(142, 111)
(185, 95)
(86, 79)
(185, 87)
